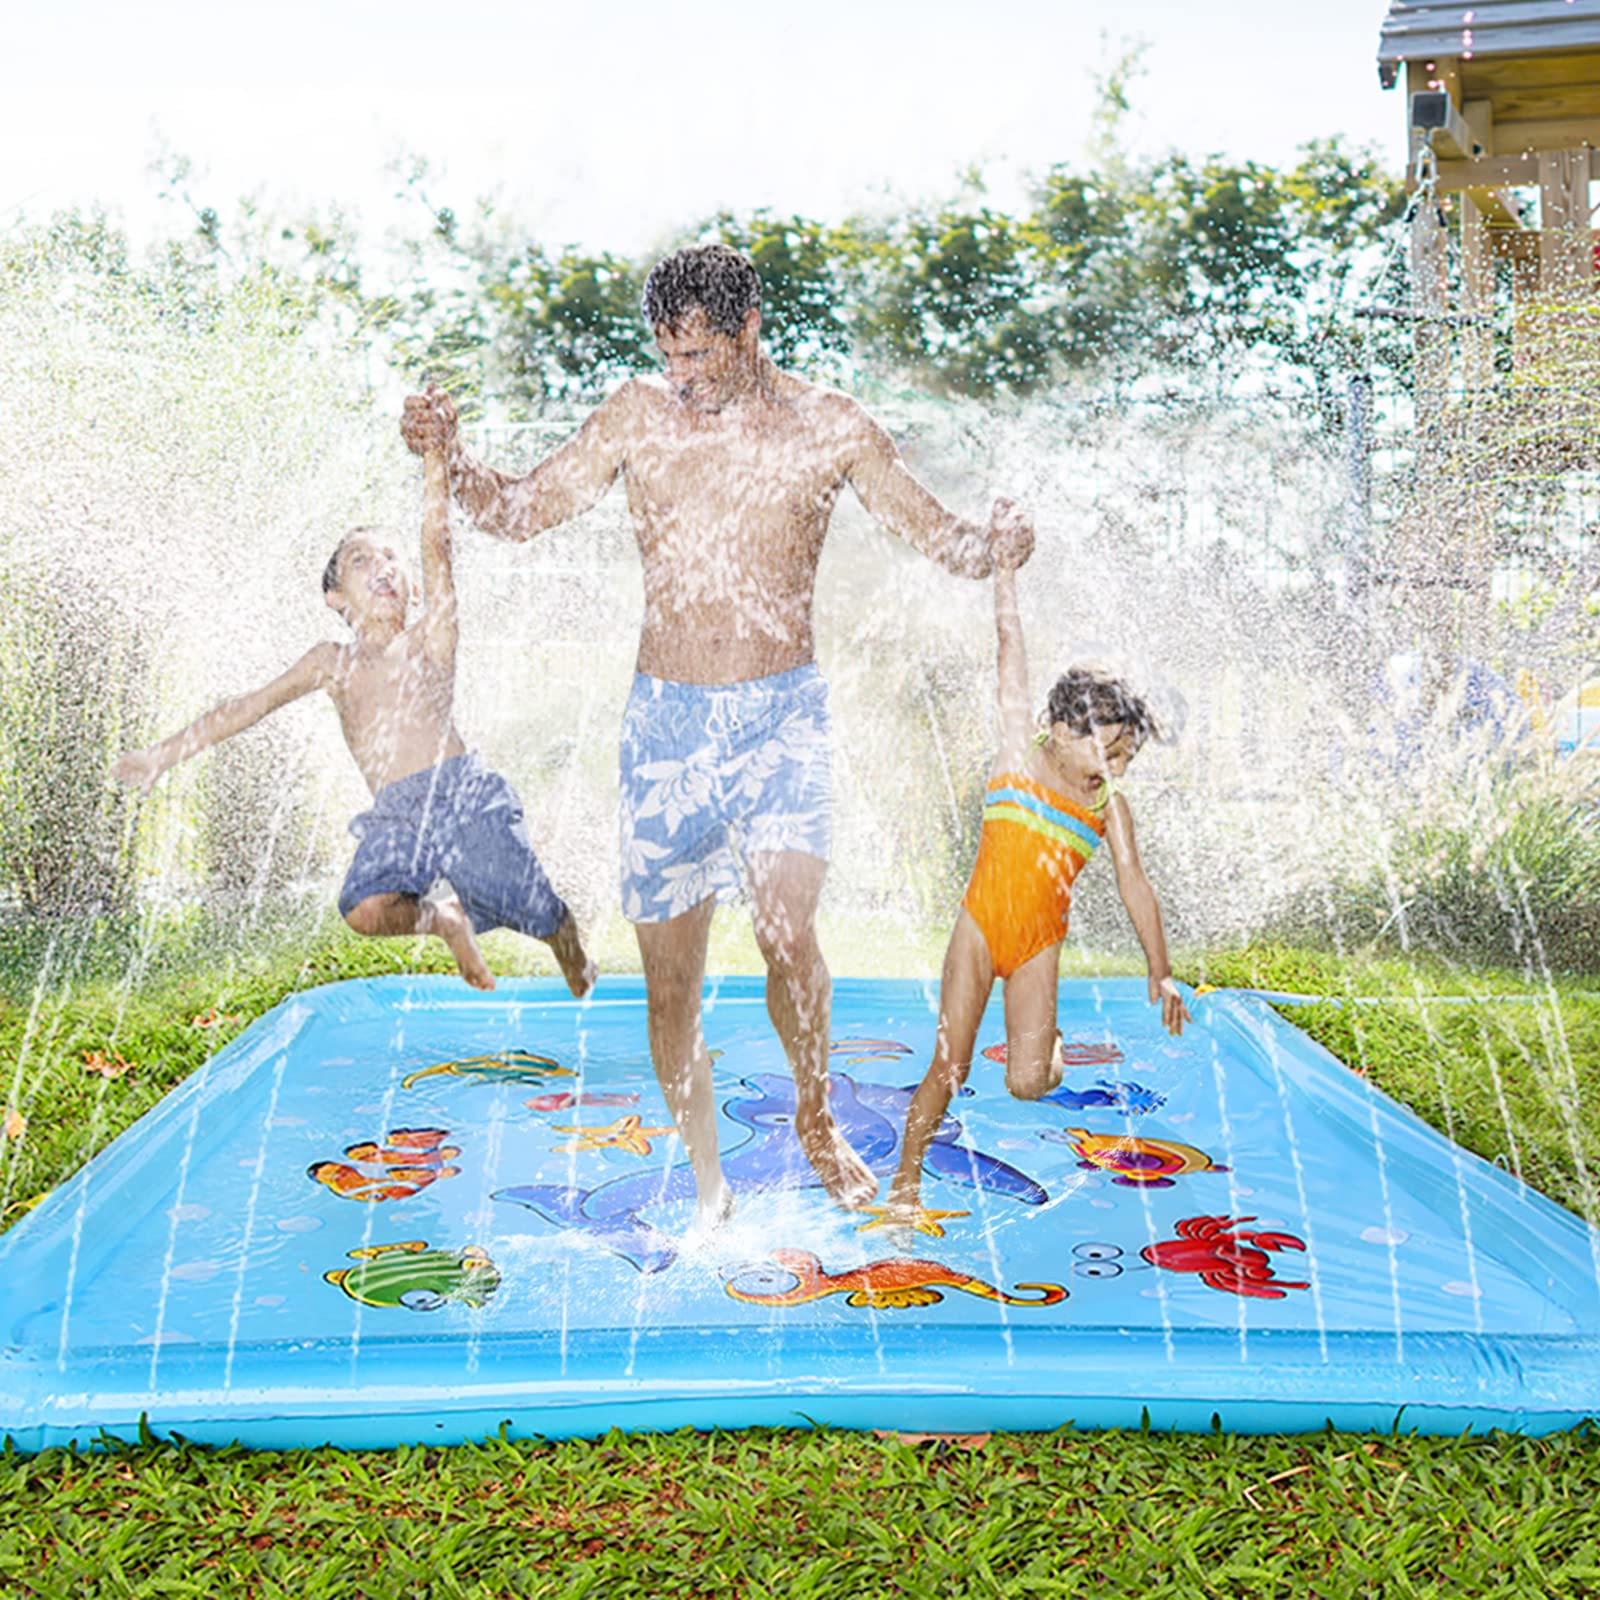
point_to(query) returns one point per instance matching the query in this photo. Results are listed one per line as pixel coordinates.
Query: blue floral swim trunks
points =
(713, 773)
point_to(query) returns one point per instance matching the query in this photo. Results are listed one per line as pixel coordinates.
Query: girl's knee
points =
(1033, 1079)
(362, 918)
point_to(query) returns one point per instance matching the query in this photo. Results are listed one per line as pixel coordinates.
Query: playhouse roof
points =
(1473, 29)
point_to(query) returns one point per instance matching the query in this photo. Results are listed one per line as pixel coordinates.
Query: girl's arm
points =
(314, 670)
(1145, 914)
(438, 577)
(1016, 722)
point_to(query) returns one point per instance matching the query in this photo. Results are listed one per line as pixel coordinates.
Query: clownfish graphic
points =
(412, 1159)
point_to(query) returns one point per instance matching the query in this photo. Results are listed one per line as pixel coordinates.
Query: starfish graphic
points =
(624, 1134)
(925, 1221)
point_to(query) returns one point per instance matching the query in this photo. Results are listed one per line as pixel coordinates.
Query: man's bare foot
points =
(718, 1209)
(450, 923)
(850, 1182)
(710, 1217)
(576, 967)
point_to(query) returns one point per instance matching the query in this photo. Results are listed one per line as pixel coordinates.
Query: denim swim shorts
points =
(463, 822)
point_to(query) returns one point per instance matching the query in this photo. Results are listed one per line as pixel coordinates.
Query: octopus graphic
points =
(407, 1163)
(1226, 1258)
(1139, 1163)
(796, 1278)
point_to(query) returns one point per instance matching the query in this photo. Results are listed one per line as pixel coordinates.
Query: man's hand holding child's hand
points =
(1010, 535)
(428, 421)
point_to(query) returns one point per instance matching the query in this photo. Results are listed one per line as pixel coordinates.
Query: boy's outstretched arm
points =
(563, 485)
(438, 577)
(885, 486)
(314, 670)
(1145, 914)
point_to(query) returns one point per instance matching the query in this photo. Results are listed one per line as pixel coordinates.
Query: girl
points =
(1049, 804)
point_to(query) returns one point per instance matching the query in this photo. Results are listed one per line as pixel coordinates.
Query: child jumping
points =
(1050, 802)
(444, 849)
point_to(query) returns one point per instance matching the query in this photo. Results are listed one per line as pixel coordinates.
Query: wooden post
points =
(1477, 297)
(1419, 564)
(1566, 246)
(1477, 487)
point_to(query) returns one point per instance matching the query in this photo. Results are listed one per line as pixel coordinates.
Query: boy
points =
(444, 849)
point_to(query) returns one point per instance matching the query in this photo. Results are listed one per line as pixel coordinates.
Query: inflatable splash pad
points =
(398, 1210)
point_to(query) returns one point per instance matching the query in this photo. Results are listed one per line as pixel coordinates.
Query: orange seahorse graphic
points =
(890, 1284)
(411, 1160)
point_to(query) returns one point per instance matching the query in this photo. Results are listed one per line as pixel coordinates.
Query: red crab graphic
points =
(1224, 1258)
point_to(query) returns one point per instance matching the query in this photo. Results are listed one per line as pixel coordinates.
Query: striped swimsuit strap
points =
(1015, 797)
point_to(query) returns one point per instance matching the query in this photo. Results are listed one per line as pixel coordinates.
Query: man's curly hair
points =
(714, 277)
(1085, 699)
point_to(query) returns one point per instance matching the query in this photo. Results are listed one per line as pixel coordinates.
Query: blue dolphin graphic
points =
(869, 1115)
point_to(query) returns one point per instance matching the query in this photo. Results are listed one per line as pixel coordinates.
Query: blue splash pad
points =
(398, 1210)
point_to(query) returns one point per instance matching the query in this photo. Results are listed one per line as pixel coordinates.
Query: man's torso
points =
(730, 510)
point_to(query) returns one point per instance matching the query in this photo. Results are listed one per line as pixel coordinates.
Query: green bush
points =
(71, 682)
(1505, 872)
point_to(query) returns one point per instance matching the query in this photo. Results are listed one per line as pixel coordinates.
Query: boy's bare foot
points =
(850, 1182)
(450, 923)
(576, 967)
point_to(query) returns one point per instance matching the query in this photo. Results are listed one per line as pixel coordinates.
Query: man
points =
(732, 470)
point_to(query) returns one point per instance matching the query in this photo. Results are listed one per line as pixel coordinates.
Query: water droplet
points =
(299, 1224)
(1385, 1235)
(196, 1271)
(189, 1213)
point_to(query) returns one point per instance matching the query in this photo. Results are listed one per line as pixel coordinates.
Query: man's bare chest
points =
(787, 470)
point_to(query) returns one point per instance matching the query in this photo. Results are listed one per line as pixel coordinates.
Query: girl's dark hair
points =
(714, 277)
(1085, 699)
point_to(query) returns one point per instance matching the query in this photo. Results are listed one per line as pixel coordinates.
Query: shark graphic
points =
(870, 1115)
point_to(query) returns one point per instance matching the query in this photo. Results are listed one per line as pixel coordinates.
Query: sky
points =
(610, 126)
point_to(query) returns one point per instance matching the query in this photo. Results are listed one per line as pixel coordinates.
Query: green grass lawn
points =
(793, 1513)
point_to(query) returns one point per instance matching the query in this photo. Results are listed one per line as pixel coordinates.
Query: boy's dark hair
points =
(714, 277)
(1085, 699)
(330, 573)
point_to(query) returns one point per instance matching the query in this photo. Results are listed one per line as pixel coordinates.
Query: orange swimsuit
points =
(1034, 843)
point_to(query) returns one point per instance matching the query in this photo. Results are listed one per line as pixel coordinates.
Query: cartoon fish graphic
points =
(1131, 1099)
(417, 1278)
(1070, 1053)
(412, 1159)
(855, 1051)
(506, 1066)
(566, 1100)
(892, 1284)
(1139, 1163)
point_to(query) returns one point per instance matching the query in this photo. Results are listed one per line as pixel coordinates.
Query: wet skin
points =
(732, 470)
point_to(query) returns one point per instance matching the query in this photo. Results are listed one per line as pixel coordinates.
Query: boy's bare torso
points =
(394, 705)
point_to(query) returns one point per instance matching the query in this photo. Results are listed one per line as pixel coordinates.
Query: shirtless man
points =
(444, 849)
(732, 470)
